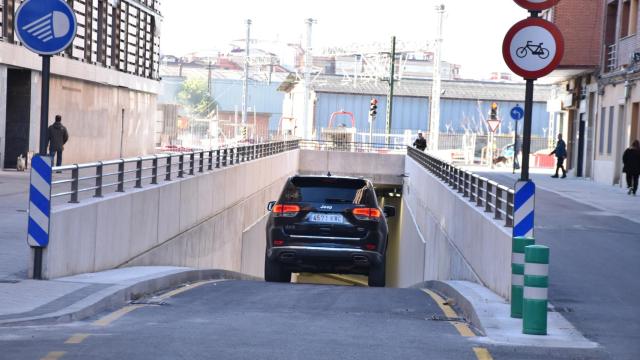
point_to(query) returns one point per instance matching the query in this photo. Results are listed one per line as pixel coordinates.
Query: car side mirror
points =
(389, 211)
(270, 205)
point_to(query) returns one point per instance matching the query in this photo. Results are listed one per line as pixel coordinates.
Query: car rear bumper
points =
(317, 258)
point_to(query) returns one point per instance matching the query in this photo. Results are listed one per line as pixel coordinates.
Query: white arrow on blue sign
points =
(45, 27)
(517, 113)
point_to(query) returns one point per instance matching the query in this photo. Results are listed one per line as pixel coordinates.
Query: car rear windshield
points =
(327, 190)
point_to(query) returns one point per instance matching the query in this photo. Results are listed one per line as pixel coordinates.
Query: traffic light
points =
(243, 130)
(373, 108)
(494, 111)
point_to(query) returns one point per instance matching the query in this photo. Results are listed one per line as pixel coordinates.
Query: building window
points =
(610, 131)
(603, 120)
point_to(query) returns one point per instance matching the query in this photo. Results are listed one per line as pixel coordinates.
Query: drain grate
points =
(445, 318)
(151, 301)
(560, 309)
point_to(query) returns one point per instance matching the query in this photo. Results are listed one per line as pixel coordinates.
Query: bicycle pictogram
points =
(542, 53)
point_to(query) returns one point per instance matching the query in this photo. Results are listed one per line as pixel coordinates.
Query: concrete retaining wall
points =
(446, 237)
(379, 168)
(196, 222)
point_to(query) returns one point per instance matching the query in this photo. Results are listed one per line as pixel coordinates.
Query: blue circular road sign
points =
(517, 113)
(45, 27)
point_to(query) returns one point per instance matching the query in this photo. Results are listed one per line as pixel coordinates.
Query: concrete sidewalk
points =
(30, 302)
(14, 198)
(612, 200)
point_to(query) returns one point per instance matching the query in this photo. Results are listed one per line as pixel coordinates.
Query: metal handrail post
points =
(120, 176)
(167, 175)
(509, 216)
(192, 162)
(498, 207)
(154, 170)
(218, 159)
(231, 155)
(210, 161)
(75, 175)
(139, 173)
(181, 165)
(487, 194)
(201, 162)
(98, 191)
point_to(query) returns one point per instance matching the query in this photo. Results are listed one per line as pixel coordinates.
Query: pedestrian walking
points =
(561, 153)
(631, 162)
(57, 136)
(420, 143)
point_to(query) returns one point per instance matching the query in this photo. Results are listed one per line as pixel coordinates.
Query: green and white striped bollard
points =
(536, 284)
(517, 273)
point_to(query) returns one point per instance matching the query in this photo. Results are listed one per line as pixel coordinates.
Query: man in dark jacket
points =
(631, 161)
(57, 136)
(420, 143)
(561, 153)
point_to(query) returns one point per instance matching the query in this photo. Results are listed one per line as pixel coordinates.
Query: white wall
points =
(446, 237)
(196, 222)
(379, 168)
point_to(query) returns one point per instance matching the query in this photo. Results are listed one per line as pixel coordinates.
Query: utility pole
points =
(308, 58)
(392, 76)
(434, 116)
(245, 83)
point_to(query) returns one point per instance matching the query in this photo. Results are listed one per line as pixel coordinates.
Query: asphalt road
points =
(594, 269)
(257, 320)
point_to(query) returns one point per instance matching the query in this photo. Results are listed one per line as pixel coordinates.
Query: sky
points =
(473, 29)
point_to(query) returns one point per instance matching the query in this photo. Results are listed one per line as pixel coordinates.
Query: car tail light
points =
(286, 210)
(370, 246)
(367, 213)
(278, 242)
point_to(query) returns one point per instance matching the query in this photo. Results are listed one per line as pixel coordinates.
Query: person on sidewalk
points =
(631, 162)
(561, 153)
(57, 137)
(420, 143)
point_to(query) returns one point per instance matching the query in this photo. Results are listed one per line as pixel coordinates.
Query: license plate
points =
(326, 218)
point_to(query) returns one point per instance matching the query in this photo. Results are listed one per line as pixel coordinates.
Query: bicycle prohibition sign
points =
(542, 52)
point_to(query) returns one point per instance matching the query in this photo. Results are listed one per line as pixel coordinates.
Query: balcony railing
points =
(612, 57)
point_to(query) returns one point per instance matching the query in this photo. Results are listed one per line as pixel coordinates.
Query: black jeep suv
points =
(327, 224)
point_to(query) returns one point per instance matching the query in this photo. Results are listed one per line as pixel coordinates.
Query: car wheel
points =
(377, 275)
(275, 272)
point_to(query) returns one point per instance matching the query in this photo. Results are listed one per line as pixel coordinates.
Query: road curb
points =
(119, 295)
(461, 302)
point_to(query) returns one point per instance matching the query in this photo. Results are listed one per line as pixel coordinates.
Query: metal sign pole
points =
(526, 132)
(44, 136)
(515, 148)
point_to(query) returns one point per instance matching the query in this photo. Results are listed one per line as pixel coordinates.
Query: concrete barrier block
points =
(253, 248)
(188, 203)
(168, 211)
(145, 211)
(113, 236)
(72, 242)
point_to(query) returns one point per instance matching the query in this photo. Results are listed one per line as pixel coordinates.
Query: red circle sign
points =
(536, 5)
(533, 48)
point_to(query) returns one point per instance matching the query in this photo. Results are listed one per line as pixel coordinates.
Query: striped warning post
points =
(39, 201)
(524, 205)
(517, 273)
(536, 285)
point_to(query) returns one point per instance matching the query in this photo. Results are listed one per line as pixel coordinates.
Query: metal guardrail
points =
(493, 197)
(95, 179)
(330, 145)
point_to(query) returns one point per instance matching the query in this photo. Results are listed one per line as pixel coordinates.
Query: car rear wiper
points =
(338, 201)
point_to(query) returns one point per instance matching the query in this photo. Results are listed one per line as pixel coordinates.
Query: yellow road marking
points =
(482, 353)
(185, 288)
(76, 338)
(448, 311)
(54, 355)
(108, 319)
